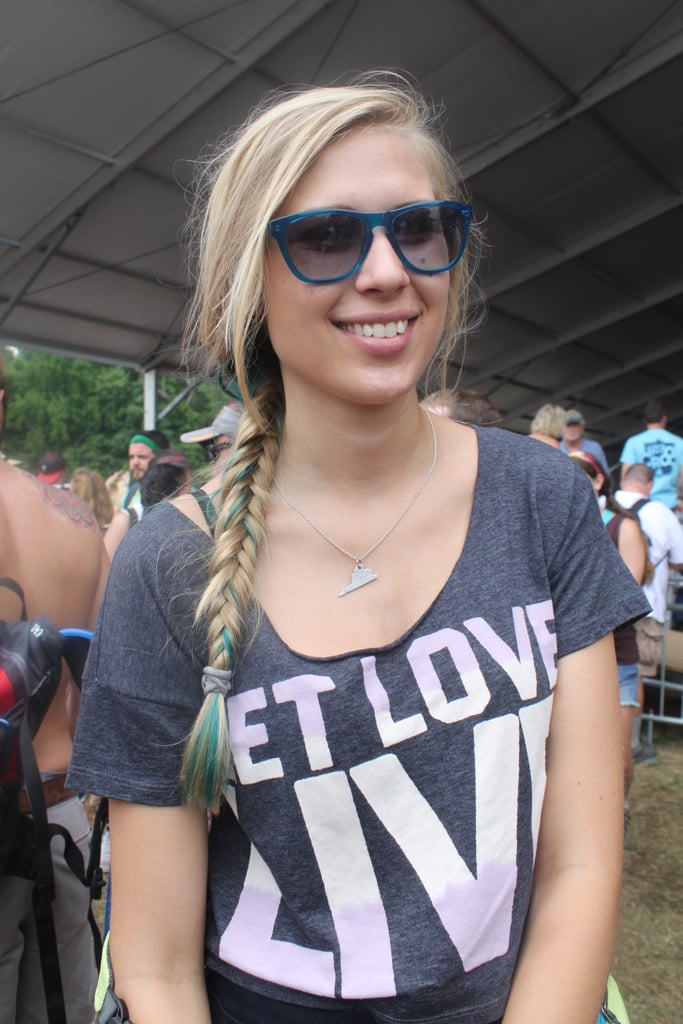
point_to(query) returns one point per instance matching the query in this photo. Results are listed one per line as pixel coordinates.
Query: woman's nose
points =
(381, 268)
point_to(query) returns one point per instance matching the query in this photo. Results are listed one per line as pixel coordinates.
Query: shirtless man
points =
(50, 544)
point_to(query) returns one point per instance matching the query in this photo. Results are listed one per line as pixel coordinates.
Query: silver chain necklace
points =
(362, 574)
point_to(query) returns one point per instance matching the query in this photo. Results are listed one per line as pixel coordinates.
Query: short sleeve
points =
(142, 681)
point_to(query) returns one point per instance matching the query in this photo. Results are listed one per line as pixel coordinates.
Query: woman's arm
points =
(116, 531)
(573, 920)
(159, 872)
(633, 548)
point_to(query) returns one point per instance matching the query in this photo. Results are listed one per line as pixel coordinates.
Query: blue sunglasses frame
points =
(278, 230)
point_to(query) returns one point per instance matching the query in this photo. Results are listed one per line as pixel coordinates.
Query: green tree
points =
(88, 411)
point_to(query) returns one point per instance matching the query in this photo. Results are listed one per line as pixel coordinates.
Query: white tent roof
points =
(566, 117)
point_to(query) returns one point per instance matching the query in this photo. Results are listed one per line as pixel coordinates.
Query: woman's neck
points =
(343, 449)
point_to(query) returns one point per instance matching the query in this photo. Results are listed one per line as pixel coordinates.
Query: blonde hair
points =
(549, 420)
(90, 486)
(242, 188)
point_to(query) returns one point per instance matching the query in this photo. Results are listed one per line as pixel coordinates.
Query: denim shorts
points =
(628, 686)
(233, 1004)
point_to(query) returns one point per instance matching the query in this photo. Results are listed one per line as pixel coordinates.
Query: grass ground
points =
(649, 956)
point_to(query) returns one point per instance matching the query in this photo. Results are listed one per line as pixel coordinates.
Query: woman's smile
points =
(377, 329)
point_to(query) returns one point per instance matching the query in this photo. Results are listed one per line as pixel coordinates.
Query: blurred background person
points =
(142, 448)
(462, 405)
(168, 475)
(217, 438)
(90, 486)
(52, 469)
(573, 439)
(665, 539)
(50, 544)
(548, 424)
(627, 536)
(658, 448)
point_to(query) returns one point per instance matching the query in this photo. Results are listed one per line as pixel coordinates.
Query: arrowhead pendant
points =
(359, 577)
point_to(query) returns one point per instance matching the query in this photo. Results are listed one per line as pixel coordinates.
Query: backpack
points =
(31, 653)
(650, 567)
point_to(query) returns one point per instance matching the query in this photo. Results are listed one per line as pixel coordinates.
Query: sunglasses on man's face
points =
(323, 246)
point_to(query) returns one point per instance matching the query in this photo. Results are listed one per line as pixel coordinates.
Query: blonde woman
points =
(392, 619)
(90, 486)
(548, 424)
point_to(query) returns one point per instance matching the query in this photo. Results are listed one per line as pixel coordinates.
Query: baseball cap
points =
(574, 416)
(50, 467)
(224, 423)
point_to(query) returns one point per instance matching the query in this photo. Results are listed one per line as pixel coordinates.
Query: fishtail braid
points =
(239, 532)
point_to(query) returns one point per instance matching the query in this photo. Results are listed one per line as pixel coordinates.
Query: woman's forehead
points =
(369, 169)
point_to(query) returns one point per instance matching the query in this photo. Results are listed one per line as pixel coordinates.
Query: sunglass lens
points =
(430, 237)
(325, 246)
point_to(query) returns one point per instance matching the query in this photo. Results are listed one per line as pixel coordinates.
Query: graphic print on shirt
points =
(472, 903)
(661, 456)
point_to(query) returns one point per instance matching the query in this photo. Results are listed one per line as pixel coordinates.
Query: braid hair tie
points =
(216, 680)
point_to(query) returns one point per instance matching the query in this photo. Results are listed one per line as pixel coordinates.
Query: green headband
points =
(143, 439)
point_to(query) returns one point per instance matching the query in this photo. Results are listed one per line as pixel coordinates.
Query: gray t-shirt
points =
(379, 838)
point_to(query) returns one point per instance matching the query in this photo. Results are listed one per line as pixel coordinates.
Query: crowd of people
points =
(357, 703)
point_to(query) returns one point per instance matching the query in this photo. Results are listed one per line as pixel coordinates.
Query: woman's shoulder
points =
(517, 459)
(165, 521)
(163, 544)
(535, 492)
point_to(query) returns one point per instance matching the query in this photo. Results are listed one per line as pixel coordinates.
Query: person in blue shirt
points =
(574, 441)
(658, 448)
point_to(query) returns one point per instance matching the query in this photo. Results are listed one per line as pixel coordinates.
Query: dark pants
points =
(232, 1004)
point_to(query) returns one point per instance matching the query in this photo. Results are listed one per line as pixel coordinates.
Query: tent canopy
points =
(567, 119)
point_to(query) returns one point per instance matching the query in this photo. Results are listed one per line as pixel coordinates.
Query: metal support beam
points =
(177, 400)
(150, 399)
(623, 311)
(202, 92)
(585, 244)
(52, 248)
(60, 141)
(574, 390)
(612, 83)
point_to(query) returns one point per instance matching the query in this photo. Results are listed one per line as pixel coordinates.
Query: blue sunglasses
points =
(323, 246)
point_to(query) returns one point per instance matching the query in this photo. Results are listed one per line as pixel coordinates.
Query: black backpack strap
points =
(635, 509)
(94, 877)
(44, 887)
(9, 584)
(74, 860)
(637, 505)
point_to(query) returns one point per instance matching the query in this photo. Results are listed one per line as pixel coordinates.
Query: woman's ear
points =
(598, 482)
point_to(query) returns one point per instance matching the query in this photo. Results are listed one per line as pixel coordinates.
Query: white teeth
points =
(389, 330)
